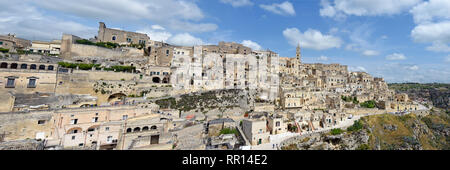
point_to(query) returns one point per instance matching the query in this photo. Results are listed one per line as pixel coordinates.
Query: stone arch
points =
(156, 80)
(166, 80)
(137, 129)
(14, 66)
(50, 67)
(33, 66)
(74, 130)
(23, 66)
(116, 97)
(145, 128)
(4, 65)
(92, 128)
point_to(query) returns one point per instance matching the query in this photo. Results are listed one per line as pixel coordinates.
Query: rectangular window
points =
(277, 124)
(40, 122)
(32, 83)
(94, 119)
(107, 129)
(10, 83)
(74, 121)
(109, 139)
(1, 43)
(73, 137)
(124, 117)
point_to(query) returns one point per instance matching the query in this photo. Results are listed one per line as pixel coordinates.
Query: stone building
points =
(119, 36)
(255, 130)
(52, 47)
(11, 40)
(202, 71)
(81, 127)
(276, 124)
(27, 77)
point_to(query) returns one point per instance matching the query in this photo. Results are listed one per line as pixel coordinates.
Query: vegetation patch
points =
(229, 131)
(337, 131)
(4, 50)
(368, 104)
(109, 45)
(357, 125)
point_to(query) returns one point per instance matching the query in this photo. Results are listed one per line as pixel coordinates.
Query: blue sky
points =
(400, 40)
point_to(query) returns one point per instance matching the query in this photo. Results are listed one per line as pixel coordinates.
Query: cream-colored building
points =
(276, 124)
(255, 129)
(52, 47)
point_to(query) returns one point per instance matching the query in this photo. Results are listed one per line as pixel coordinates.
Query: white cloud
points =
(414, 67)
(432, 32)
(447, 59)
(370, 53)
(438, 47)
(357, 69)
(396, 56)
(28, 22)
(251, 44)
(156, 33)
(433, 22)
(311, 39)
(158, 27)
(174, 14)
(238, 3)
(285, 8)
(426, 73)
(431, 10)
(323, 58)
(365, 7)
(185, 39)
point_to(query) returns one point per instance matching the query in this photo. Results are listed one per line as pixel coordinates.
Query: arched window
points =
(114, 38)
(145, 128)
(14, 65)
(42, 67)
(33, 66)
(24, 66)
(156, 80)
(4, 65)
(50, 67)
(128, 130)
(137, 129)
(154, 128)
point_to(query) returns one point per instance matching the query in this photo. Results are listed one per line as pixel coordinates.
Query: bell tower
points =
(299, 54)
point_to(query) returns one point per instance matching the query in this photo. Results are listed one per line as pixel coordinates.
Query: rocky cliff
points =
(384, 132)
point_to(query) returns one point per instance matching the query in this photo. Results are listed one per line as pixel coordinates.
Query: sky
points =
(399, 40)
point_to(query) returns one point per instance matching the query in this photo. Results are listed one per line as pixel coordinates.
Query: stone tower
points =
(299, 54)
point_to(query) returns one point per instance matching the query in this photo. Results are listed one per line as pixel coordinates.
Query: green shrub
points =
(368, 104)
(356, 126)
(99, 44)
(4, 50)
(336, 131)
(81, 66)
